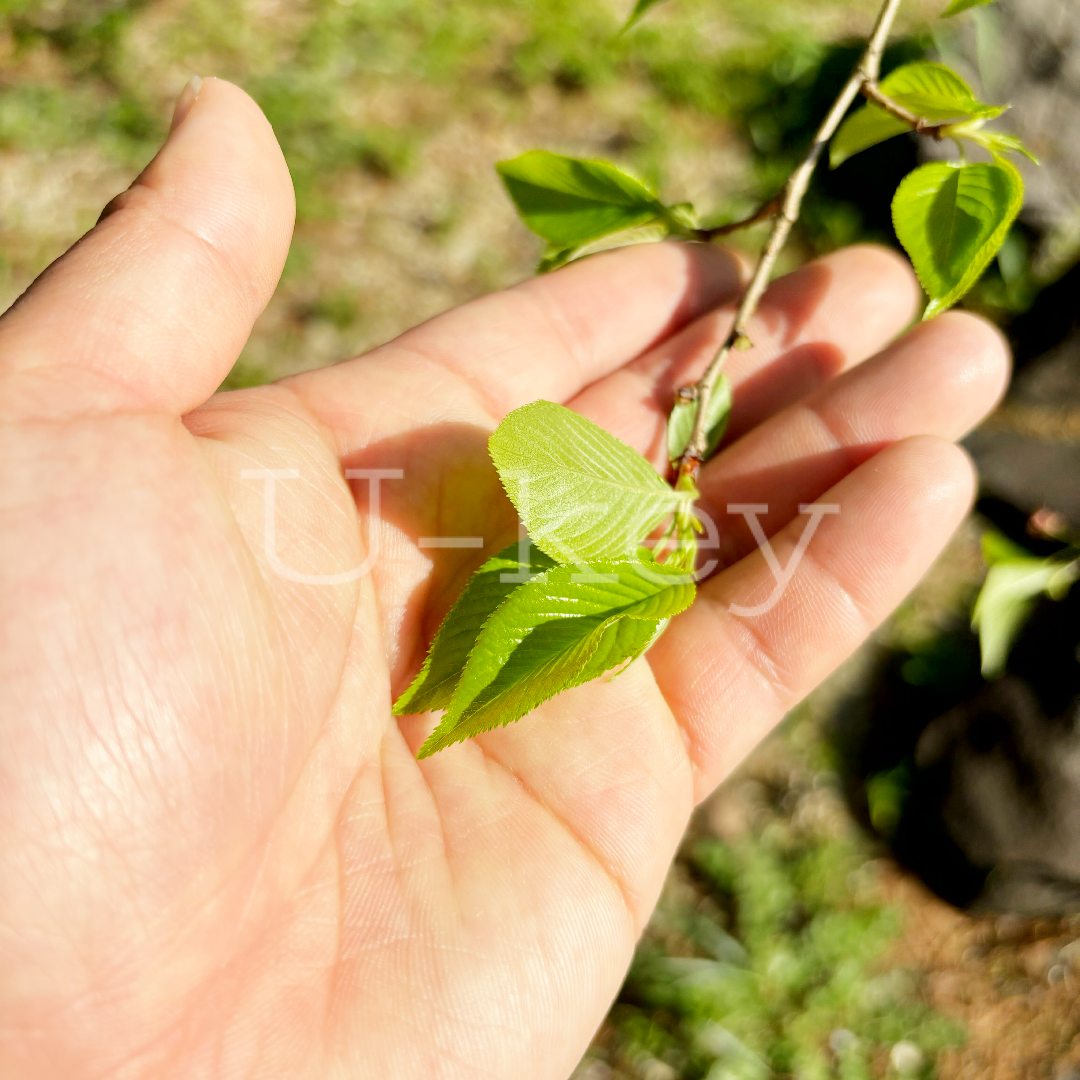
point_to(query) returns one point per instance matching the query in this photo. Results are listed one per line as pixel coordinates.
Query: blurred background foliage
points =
(391, 112)
(786, 943)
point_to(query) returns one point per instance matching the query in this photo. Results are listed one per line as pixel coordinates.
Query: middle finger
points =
(940, 379)
(812, 324)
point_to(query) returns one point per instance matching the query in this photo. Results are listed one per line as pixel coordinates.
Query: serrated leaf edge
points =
(985, 254)
(440, 739)
(408, 695)
(679, 500)
(452, 722)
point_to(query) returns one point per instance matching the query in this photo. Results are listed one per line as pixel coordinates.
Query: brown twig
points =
(873, 92)
(790, 204)
(770, 209)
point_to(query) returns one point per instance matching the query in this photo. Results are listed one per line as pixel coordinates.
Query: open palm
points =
(218, 856)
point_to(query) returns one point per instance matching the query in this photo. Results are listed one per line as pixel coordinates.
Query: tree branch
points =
(791, 199)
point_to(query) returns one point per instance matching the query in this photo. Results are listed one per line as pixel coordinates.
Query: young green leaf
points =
(931, 91)
(681, 421)
(555, 256)
(952, 219)
(564, 628)
(997, 143)
(962, 5)
(582, 494)
(935, 92)
(570, 201)
(434, 686)
(1007, 599)
(640, 8)
(556, 657)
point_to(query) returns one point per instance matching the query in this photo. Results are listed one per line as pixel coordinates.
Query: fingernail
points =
(187, 98)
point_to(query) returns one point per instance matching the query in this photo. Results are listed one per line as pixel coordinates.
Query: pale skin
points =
(218, 856)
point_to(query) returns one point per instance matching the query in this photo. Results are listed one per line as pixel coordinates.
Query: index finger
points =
(548, 337)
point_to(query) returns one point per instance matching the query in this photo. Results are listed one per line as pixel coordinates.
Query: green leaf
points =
(867, 127)
(997, 143)
(931, 91)
(962, 5)
(935, 92)
(555, 257)
(582, 494)
(998, 548)
(562, 629)
(434, 686)
(640, 8)
(952, 219)
(681, 421)
(1007, 599)
(570, 201)
(564, 654)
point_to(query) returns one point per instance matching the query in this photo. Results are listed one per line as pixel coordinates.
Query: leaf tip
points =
(401, 707)
(438, 740)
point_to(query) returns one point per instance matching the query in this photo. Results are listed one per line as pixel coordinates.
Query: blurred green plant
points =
(797, 984)
(1014, 582)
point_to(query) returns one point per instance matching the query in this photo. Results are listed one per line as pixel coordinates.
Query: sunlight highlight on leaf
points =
(1015, 581)
(582, 494)
(952, 219)
(562, 629)
(434, 686)
(931, 91)
(571, 201)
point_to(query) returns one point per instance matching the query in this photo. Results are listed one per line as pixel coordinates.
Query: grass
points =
(391, 113)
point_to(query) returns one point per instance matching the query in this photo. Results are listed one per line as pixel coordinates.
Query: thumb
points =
(151, 308)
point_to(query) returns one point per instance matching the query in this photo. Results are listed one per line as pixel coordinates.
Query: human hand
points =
(218, 856)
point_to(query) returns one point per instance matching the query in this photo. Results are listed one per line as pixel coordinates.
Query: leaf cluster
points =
(574, 599)
(533, 623)
(951, 217)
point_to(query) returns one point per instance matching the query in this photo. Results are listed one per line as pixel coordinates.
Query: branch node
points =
(872, 91)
